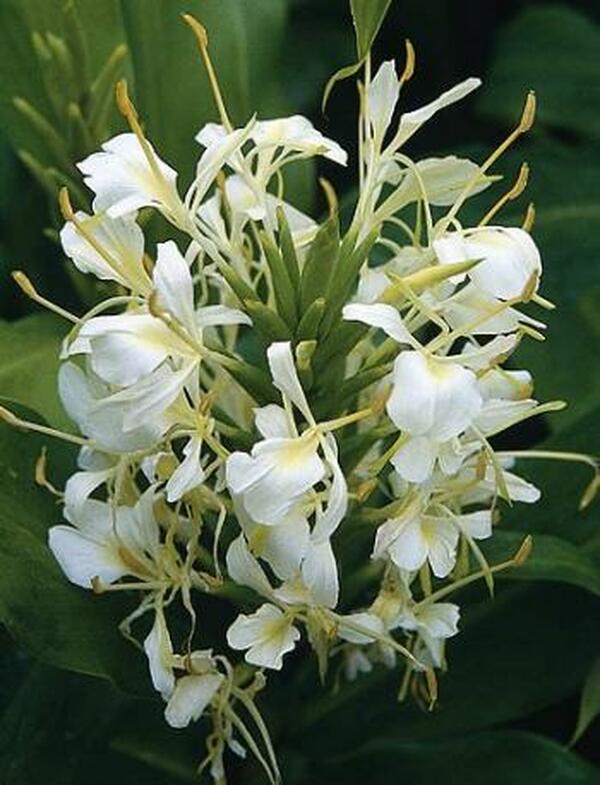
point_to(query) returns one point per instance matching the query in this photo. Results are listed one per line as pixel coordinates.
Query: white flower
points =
(122, 241)
(296, 134)
(124, 180)
(411, 540)
(133, 350)
(435, 623)
(268, 634)
(81, 394)
(510, 266)
(433, 401)
(107, 542)
(284, 467)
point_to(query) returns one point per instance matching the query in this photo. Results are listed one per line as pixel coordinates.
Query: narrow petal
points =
(320, 574)
(285, 376)
(410, 122)
(159, 651)
(173, 283)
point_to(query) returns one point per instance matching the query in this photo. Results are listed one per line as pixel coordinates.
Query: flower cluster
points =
(367, 418)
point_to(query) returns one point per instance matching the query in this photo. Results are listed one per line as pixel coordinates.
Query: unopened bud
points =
(528, 116)
(524, 552)
(24, 283)
(198, 29)
(409, 65)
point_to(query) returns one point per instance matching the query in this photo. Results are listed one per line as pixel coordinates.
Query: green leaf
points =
(590, 702)
(58, 729)
(56, 622)
(29, 361)
(496, 758)
(552, 559)
(367, 16)
(552, 49)
(508, 661)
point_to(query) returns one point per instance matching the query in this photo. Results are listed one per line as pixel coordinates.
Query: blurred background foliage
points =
(522, 673)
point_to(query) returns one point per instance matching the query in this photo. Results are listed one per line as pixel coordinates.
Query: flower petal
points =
(190, 698)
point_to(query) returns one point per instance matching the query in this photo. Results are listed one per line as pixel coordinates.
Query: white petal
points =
(244, 569)
(477, 524)
(367, 620)
(442, 539)
(285, 376)
(520, 490)
(123, 180)
(268, 635)
(497, 414)
(440, 619)
(510, 259)
(173, 283)
(457, 400)
(329, 519)
(81, 485)
(220, 149)
(410, 122)
(127, 347)
(445, 179)
(287, 469)
(410, 548)
(411, 405)
(415, 459)
(296, 133)
(159, 651)
(189, 474)
(220, 315)
(82, 558)
(282, 546)
(320, 574)
(385, 317)
(191, 697)
(382, 96)
(123, 241)
(272, 421)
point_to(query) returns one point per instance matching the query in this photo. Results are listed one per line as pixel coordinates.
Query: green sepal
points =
(282, 285)
(347, 269)
(311, 320)
(320, 262)
(288, 252)
(269, 325)
(255, 381)
(241, 289)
